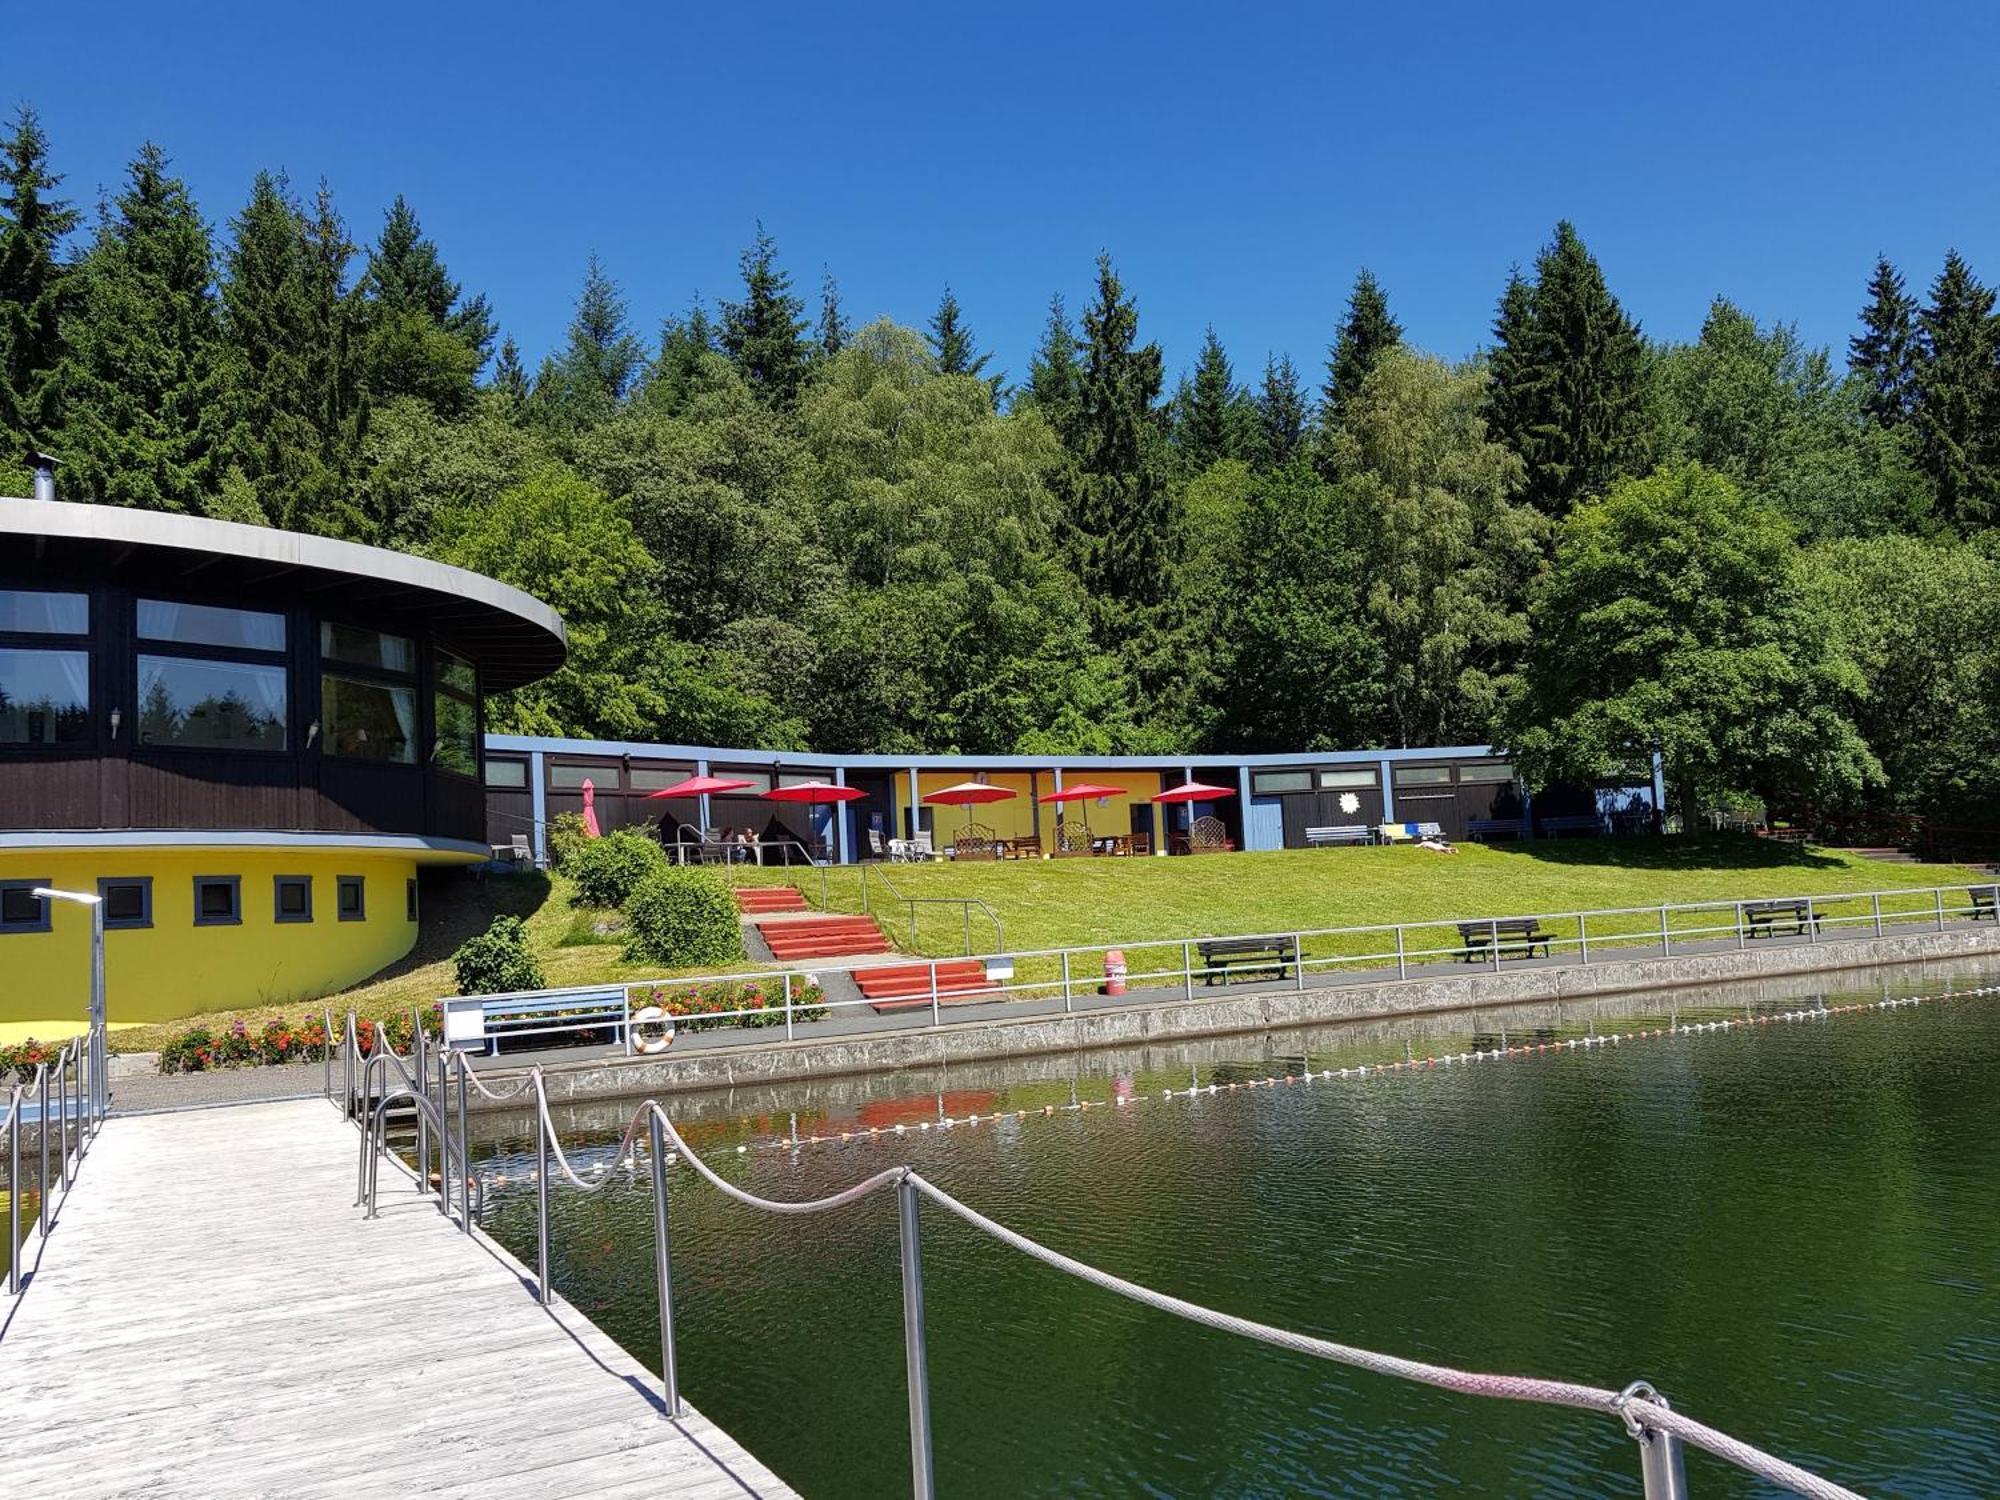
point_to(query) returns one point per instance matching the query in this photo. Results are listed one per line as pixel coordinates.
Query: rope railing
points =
(76, 1074)
(1659, 1431)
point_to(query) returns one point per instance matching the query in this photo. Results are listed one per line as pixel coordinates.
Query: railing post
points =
(1583, 937)
(1402, 955)
(436, 1073)
(1493, 932)
(541, 1194)
(921, 1483)
(663, 1264)
(464, 1149)
(788, 1007)
(1666, 939)
(1066, 988)
(1938, 893)
(965, 910)
(14, 1189)
(934, 993)
(1812, 922)
(62, 1114)
(1299, 960)
(1662, 1472)
(1742, 940)
(1875, 899)
(42, 1133)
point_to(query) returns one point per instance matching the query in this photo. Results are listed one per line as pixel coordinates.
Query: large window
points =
(41, 612)
(211, 625)
(1491, 771)
(1341, 780)
(1263, 783)
(507, 774)
(367, 719)
(367, 648)
(221, 705)
(658, 778)
(455, 705)
(44, 697)
(601, 778)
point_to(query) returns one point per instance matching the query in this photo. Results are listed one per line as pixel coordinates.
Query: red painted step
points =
(792, 938)
(906, 986)
(762, 898)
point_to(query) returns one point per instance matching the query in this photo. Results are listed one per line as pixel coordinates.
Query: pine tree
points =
(423, 337)
(831, 334)
(589, 379)
(1569, 377)
(1365, 333)
(952, 345)
(1884, 353)
(33, 222)
(1122, 515)
(141, 368)
(510, 378)
(1958, 396)
(1206, 427)
(764, 334)
(1055, 373)
(685, 342)
(1281, 413)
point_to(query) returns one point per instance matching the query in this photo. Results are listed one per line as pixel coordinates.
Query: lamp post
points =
(99, 1095)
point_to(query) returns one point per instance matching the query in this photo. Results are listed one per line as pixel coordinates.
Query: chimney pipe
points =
(44, 465)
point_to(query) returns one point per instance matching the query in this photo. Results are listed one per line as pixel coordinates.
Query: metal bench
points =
(1341, 833)
(480, 1022)
(1496, 828)
(1985, 901)
(1507, 936)
(1269, 955)
(1763, 918)
(1570, 823)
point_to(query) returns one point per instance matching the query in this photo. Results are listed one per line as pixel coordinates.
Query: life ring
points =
(646, 1045)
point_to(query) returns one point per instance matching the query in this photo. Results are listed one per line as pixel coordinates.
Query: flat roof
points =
(513, 636)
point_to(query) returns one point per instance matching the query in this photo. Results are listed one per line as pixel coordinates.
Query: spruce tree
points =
(764, 334)
(33, 222)
(1055, 373)
(141, 368)
(1884, 353)
(510, 378)
(1281, 413)
(1365, 333)
(423, 337)
(684, 343)
(1206, 425)
(952, 345)
(1958, 396)
(831, 334)
(589, 379)
(1569, 375)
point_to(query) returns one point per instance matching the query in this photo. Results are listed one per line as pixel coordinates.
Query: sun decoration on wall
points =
(1349, 803)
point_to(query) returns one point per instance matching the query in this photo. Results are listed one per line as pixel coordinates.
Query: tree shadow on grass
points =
(1705, 851)
(455, 910)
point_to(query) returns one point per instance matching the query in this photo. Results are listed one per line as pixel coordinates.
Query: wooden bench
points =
(1985, 902)
(1515, 936)
(1763, 918)
(1342, 833)
(1571, 823)
(1272, 955)
(1496, 828)
(482, 1021)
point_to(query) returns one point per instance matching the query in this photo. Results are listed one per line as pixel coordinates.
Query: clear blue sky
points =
(1240, 163)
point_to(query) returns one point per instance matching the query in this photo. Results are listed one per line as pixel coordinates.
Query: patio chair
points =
(875, 845)
(1142, 843)
(1209, 836)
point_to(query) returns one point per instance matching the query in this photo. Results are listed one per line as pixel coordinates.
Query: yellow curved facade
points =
(177, 966)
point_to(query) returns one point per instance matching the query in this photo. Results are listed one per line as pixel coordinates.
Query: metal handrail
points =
(78, 1074)
(1659, 1431)
(967, 903)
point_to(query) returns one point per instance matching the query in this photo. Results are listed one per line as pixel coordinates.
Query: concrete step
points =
(757, 899)
(903, 986)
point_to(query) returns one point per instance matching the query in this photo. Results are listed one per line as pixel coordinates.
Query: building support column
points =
(843, 823)
(538, 806)
(1388, 792)
(916, 805)
(701, 769)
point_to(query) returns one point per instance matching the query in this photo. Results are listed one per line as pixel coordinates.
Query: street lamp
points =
(99, 1096)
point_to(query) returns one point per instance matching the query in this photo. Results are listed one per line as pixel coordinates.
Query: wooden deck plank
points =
(214, 1318)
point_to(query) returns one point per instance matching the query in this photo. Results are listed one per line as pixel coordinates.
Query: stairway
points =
(1885, 853)
(794, 938)
(754, 900)
(905, 986)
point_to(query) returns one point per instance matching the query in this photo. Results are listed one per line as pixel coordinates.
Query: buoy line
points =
(876, 1134)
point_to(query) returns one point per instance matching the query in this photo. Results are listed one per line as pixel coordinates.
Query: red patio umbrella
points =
(968, 793)
(701, 786)
(590, 827)
(1084, 791)
(1195, 791)
(815, 793)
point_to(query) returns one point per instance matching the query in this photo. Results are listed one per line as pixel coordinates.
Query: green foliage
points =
(1676, 620)
(497, 960)
(585, 383)
(1281, 414)
(1958, 396)
(953, 348)
(33, 222)
(1884, 353)
(420, 337)
(764, 334)
(607, 869)
(1366, 333)
(683, 917)
(566, 836)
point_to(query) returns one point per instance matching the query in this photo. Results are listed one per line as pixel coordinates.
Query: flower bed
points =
(21, 1059)
(702, 1007)
(198, 1049)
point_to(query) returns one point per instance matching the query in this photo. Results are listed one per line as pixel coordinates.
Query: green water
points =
(1789, 1229)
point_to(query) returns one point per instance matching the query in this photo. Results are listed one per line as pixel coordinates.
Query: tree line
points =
(765, 525)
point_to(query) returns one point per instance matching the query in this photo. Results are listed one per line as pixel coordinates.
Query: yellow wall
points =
(1016, 819)
(175, 968)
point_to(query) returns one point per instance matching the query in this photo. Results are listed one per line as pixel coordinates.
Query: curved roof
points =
(514, 637)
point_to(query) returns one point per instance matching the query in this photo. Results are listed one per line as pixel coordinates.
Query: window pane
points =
(457, 734)
(508, 773)
(225, 704)
(1331, 779)
(760, 781)
(1423, 776)
(21, 907)
(294, 897)
(456, 674)
(366, 648)
(653, 779)
(44, 697)
(368, 720)
(351, 888)
(1485, 773)
(43, 613)
(1281, 781)
(211, 625)
(215, 900)
(124, 901)
(602, 778)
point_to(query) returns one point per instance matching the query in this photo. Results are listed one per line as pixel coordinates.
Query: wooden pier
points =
(213, 1317)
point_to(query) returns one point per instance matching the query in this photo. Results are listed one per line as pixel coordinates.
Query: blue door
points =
(1267, 823)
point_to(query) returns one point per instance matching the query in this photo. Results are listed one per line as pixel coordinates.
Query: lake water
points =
(1792, 1230)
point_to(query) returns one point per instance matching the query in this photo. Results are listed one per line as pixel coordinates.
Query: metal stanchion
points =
(1187, 969)
(663, 1265)
(1742, 938)
(1666, 942)
(464, 1149)
(1661, 1469)
(1493, 931)
(922, 1484)
(934, 993)
(1583, 938)
(788, 1007)
(1066, 986)
(1299, 960)
(1402, 959)
(14, 1191)
(42, 1134)
(541, 1194)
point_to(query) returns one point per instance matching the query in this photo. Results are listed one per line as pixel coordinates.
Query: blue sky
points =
(1240, 163)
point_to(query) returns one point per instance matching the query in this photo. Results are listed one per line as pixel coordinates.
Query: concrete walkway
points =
(212, 1317)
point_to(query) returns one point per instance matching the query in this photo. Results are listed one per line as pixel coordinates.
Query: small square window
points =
(218, 900)
(128, 901)
(21, 910)
(410, 901)
(352, 891)
(293, 899)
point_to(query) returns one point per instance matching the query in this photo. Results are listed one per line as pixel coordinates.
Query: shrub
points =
(606, 870)
(495, 960)
(566, 836)
(699, 1007)
(198, 1049)
(23, 1058)
(681, 916)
